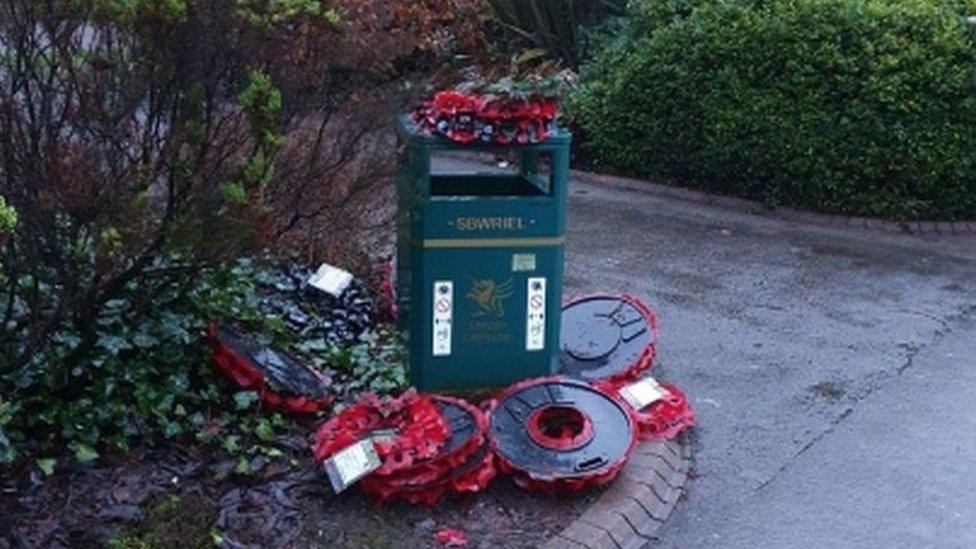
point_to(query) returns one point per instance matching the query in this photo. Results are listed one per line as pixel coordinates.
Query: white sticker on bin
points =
(643, 393)
(535, 314)
(522, 263)
(351, 464)
(443, 317)
(331, 280)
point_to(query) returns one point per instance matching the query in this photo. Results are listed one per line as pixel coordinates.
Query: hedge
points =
(862, 107)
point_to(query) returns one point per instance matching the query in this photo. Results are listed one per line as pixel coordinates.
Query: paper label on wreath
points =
(352, 464)
(383, 436)
(643, 393)
(331, 280)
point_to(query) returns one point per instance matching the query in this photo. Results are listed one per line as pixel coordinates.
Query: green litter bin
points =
(479, 259)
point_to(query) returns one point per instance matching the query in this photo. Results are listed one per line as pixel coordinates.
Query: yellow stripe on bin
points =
(526, 242)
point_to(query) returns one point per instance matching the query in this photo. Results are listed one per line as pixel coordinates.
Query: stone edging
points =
(629, 514)
(780, 212)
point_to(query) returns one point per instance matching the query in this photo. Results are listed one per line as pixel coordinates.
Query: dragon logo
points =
(490, 295)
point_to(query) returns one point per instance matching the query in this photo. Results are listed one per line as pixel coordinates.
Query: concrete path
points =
(833, 372)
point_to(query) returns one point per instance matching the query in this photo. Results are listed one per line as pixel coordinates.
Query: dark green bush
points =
(852, 106)
(555, 26)
(648, 15)
(149, 376)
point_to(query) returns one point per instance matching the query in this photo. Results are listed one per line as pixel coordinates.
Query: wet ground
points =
(833, 371)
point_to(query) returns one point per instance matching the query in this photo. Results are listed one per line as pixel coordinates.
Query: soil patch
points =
(171, 499)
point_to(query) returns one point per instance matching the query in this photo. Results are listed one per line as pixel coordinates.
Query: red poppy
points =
(450, 103)
(501, 119)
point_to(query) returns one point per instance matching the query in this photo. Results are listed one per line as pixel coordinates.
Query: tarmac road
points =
(833, 371)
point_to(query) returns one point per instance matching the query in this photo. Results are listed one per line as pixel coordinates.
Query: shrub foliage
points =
(142, 143)
(861, 107)
(557, 27)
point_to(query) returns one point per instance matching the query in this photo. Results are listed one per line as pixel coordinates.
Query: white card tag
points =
(383, 435)
(331, 280)
(351, 464)
(643, 393)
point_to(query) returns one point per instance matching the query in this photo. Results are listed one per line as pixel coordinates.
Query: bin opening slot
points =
(492, 173)
(484, 185)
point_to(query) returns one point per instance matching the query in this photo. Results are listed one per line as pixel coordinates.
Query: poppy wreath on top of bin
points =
(501, 119)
